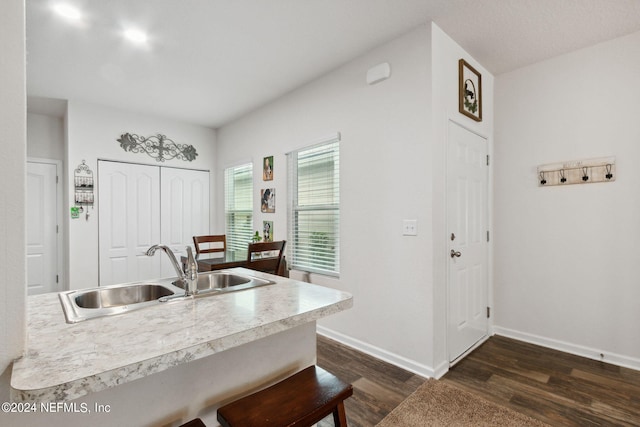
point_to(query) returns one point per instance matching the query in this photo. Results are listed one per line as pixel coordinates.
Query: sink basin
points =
(116, 299)
(224, 281)
(121, 295)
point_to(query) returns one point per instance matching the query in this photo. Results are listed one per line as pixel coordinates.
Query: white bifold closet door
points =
(140, 206)
(184, 210)
(128, 221)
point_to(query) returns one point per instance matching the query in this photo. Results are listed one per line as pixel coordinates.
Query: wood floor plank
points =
(600, 380)
(629, 375)
(388, 398)
(510, 364)
(550, 403)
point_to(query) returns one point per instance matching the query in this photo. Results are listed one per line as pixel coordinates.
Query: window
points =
(238, 206)
(314, 208)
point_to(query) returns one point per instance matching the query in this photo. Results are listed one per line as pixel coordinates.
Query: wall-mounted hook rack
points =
(602, 169)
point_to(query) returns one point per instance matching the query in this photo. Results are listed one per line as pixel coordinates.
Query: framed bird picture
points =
(470, 91)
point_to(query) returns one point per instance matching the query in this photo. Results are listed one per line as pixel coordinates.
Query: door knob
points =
(455, 254)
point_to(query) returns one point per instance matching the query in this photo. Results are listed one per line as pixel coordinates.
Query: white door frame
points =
(60, 255)
(489, 221)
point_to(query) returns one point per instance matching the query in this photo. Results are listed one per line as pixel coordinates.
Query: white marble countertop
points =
(65, 361)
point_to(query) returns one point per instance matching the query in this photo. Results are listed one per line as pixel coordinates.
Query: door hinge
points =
(56, 179)
(487, 160)
(57, 230)
(57, 278)
(488, 312)
(487, 235)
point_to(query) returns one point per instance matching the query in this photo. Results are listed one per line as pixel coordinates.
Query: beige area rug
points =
(436, 403)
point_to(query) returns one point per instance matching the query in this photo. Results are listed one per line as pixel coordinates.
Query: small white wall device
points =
(378, 73)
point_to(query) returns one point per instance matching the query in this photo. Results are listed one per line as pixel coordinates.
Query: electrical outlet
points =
(410, 227)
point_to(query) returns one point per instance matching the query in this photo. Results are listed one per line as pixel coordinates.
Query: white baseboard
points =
(578, 350)
(443, 368)
(379, 353)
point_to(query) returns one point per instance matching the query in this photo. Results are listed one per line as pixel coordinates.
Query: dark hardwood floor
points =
(555, 387)
(378, 387)
(558, 388)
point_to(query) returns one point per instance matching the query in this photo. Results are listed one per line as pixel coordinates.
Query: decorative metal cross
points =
(158, 147)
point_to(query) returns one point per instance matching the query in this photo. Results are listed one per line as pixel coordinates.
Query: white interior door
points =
(129, 221)
(184, 210)
(42, 243)
(467, 177)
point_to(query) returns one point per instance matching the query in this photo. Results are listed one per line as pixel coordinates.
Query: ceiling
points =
(210, 61)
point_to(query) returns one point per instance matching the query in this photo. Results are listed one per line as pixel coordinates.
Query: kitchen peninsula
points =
(166, 364)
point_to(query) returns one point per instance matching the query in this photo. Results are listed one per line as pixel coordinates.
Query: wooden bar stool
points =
(197, 422)
(300, 400)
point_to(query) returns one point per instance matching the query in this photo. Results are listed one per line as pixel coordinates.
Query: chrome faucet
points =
(189, 276)
(191, 273)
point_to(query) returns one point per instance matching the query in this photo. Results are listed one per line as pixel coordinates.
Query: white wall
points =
(385, 178)
(13, 110)
(45, 136)
(92, 132)
(567, 259)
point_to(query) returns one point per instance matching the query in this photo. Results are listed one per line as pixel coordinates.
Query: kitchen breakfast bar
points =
(169, 363)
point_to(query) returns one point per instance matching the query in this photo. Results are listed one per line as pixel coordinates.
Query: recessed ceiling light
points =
(67, 11)
(136, 36)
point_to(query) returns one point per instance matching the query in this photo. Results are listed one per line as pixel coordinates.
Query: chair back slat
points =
(209, 244)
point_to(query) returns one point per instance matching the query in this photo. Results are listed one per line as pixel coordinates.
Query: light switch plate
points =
(410, 227)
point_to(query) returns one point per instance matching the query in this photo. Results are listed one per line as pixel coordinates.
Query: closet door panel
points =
(129, 221)
(184, 210)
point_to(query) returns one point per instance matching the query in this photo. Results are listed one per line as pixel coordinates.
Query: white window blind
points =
(238, 206)
(314, 208)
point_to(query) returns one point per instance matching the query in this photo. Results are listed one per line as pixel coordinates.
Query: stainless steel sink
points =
(116, 299)
(219, 281)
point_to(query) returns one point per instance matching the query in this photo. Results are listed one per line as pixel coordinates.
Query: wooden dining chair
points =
(210, 244)
(261, 257)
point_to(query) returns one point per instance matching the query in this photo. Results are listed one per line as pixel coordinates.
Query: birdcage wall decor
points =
(158, 147)
(83, 183)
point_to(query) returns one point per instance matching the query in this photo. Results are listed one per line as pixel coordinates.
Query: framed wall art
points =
(268, 200)
(267, 169)
(470, 91)
(267, 231)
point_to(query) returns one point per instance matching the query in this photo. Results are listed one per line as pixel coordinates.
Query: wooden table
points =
(219, 260)
(227, 259)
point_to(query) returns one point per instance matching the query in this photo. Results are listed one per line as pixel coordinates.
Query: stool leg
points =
(339, 416)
